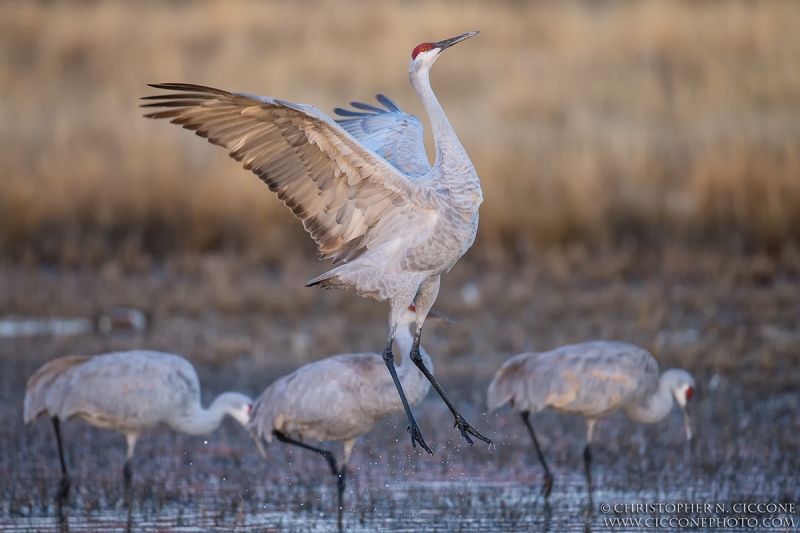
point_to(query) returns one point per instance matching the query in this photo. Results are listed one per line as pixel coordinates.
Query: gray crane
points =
(338, 398)
(128, 392)
(363, 188)
(591, 379)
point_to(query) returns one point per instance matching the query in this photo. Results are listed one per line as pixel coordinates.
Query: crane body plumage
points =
(362, 186)
(339, 398)
(128, 392)
(592, 380)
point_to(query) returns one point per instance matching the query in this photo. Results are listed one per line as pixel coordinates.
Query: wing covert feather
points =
(591, 377)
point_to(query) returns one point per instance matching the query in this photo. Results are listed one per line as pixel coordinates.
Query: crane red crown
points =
(689, 393)
(424, 47)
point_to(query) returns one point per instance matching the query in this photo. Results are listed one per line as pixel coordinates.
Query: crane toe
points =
(466, 430)
(416, 436)
(547, 486)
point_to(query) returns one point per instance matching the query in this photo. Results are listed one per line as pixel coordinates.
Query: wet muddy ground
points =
(243, 326)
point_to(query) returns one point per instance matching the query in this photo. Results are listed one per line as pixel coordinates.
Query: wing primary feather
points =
(349, 113)
(189, 87)
(367, 107)
(388, 103)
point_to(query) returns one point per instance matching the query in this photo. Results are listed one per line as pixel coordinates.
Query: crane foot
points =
(416, 436)
(547, 486)
(63, 490)
(466, 430)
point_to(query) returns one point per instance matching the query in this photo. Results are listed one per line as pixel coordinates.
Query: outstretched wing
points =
(348, 198)
(389, 132)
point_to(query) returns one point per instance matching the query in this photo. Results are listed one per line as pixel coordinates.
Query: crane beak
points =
(443, 318)
(447, 43)
(259, 444)
(687, 423)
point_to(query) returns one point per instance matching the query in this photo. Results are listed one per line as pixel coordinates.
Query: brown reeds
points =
(594, 121)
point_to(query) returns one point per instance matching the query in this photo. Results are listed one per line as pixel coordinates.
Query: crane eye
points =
(424, 47)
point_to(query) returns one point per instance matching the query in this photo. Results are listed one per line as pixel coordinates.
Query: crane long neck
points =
(199, 421)
(460, 177)
(655, 407)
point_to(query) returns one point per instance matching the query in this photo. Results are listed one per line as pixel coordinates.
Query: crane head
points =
(426, 53)
(682, 385)
(684, 393)
(234, 404)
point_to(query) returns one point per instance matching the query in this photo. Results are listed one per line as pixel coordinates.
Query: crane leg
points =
(413, 428)
(127, 474)
(587, 459)
(324, 453)
(340, 474)
(548, 477)
(341, 486)
(127, 471)
(463, 426)
(64, 484)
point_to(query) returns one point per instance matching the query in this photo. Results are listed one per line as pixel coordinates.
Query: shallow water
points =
(429, 506)
(746, 447)
(219, 482)
(30, 327)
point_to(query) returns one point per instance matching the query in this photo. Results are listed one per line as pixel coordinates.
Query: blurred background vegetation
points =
(612, 124)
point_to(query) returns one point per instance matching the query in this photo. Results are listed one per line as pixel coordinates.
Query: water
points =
(30, 327)
(219, 482)
(746, 450)
(430, 506)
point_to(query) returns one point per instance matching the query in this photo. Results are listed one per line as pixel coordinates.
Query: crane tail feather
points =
(40, 383)
(504, 385)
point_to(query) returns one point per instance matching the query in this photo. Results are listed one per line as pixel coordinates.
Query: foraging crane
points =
(129, 392)
(338, 398)
(363, 188)
(591, 379)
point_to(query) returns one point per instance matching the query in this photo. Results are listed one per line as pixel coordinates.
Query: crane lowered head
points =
(238, 406)
(682, 385)
(424, 55)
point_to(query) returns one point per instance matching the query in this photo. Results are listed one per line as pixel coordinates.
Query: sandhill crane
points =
(591, 379)
(129, 392)
(363, 188)
(339, 398)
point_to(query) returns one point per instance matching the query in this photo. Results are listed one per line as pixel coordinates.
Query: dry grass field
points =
(644, 122)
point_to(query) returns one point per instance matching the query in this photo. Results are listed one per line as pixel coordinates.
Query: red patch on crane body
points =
(424, 47)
